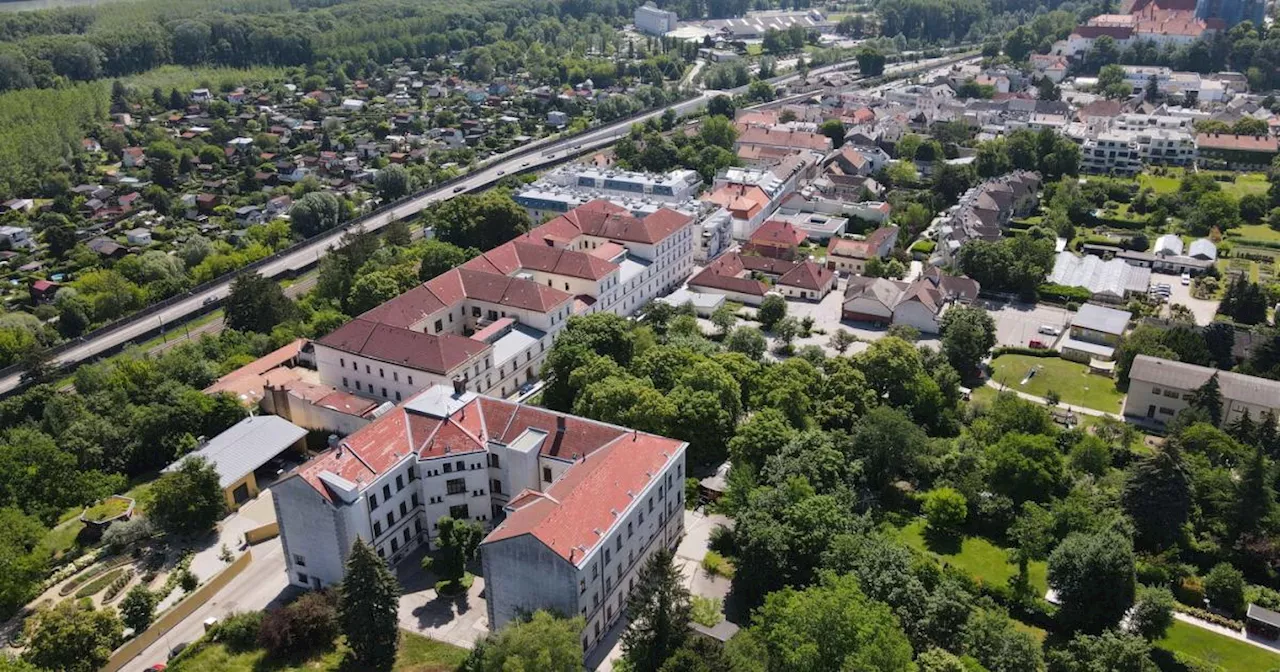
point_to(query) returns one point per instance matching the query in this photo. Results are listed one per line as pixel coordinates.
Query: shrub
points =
(238, 631)
(96, 585)
(90, 573)
(307, 625)
(1152, 613)
(1224, 586)
(188, 581)
(721, 540)
(945, 509)
(1206, 615)
(714, 564)
(1190, 591)
(1063, 293)
(707, 611)
(118, 585)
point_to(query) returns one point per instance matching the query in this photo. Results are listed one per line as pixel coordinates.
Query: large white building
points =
(490, 322)
(1160, 388)
(575, 506)
(640, 193)
(650, 19)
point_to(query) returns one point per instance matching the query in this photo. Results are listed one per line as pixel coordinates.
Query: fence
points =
(170, 619)
(260, 534)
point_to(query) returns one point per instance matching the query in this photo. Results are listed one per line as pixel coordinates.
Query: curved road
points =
(556, 150)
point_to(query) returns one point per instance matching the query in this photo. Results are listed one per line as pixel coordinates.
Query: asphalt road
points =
(554, 151)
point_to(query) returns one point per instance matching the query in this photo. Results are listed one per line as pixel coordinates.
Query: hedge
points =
(1255, 242)
(1019, 350)
(1204, 615)
(1063, 293)
(924, 246)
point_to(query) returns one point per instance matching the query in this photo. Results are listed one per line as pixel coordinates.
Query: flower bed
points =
(95, 586)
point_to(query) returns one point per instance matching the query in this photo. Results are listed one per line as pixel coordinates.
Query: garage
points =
(253, 450)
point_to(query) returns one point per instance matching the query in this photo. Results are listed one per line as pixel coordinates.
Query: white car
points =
(1049, 330)
(1186, 278)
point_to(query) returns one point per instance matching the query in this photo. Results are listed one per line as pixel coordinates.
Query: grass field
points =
(184, 79)
(417, 654)
(976, 556)
(1211, 647)
(1072, 381)
(1254, 232)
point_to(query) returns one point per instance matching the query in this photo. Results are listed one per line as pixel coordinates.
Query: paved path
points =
(1272, 646)
(1083, 410)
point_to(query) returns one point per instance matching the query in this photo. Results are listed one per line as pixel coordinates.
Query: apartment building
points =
(1111, 152)
(649, 19)
(575, 505)
(985, 209)
(640, 193)
(1160, 388)
(490, 322)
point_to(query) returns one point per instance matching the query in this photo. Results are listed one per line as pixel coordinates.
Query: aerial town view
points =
(644, 336)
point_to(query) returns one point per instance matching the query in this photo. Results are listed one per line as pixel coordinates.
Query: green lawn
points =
(1245, 184)
(417, 654)
(1072, 381)
(978, 557)
(1211, 647)
(1161, 184)
(1254, 232)
(105, 509)
(60, 539)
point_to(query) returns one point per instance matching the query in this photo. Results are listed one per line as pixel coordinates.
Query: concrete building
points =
(734, 276)
(650, 19)
(576, 506)
(1160, 388)
(1111, 153)
(1095, 333)
(243, 449)
(1236, 152)
(490, 322)
(984, 210)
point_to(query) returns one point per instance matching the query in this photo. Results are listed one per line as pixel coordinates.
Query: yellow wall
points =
(260, 534)
(171, 618)
(229, 491)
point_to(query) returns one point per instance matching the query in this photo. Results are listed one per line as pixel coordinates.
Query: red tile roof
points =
(601, 219)
(778, 233)
(436, 353)
(756, 135)
(522, 255)
(726, 273)
(1246, 143)
(807, 275)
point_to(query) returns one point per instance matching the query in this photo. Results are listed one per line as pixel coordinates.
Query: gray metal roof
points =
(1099, 318)
(247, 445)
(1182, 376)
(1203, 248)
(1084, 346)
(1263, 615)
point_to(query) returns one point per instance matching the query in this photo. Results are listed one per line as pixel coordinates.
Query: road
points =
(261, 583)
(554, 151)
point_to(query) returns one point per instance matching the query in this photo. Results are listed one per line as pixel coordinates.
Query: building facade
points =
(1160, 388)
(575, 505)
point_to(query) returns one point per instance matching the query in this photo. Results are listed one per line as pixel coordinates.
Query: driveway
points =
(1017, 324)
(1179, 293)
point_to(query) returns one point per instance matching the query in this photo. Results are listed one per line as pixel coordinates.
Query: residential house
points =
(777, 239)
(1160, 388)
(920, 303)
(850, 256)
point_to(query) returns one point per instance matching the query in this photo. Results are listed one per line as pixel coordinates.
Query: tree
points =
(439, 257)
(724, 318)
(543, 643)
(1224, 588)
(1157, 496)
(1025, 467)
(659, 612)
(834, 129)
(722, 106)
(22, 563)
(396, 234)
(1152, 612)
(746, 340)
(1208, 399)
(456, 546)
(870, 61)
(71, 638)
(61, 238)
(1214, 209)
(761, 91)
(993, 640)
(1093, 575)
(306, 625)
(315, 213)
(945, 509)
(1111, 651)
(841, 339)
(830, 626)
(482, 221)
(138, 608)
(1111, 82)
(968, 334)
(368, 603)
(371, 290)
(1032, 536)
(189, 500)
(771, 311)
(257, 304)
(393, 183)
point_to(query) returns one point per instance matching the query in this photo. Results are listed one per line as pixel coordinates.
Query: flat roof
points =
(630, 267)
(1085, 346)
(1264, 615)
(1099, 318)
(247, 445)
(511, 344)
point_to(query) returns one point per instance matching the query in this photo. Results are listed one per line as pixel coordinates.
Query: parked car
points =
(1186, 278)
(1050, 330)
(1039, 345)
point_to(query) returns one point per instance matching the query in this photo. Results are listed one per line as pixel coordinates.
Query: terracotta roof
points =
(726, 273)
(605, 220)
(1246, 143)
(744, 201)
(806, 275)
(439, 354)
(777, 232)
(756, 135)
(576, 512)
(844, 247)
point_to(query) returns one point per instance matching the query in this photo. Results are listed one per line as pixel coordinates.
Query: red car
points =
(1037, 344)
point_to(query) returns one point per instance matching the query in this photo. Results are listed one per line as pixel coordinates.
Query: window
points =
(382, 373)
(397, 395)
(546, 474)
(399, 483)
(460, 465)
(391, 518)
(618, 545)
(355, 366)
(494, 461)
(384, 393)
(395, 375)
(386, 491)
(496, 486)
(459, 512)
(410, 380)
(650, 504)
(456, 486)
(345, 383)
(377, 529)
(373, 502)
(413, 473)
(357, 385)
(415, 501)
(439, 326)
(303, 578)
(630, 531)
(582, 586)
(299, 560)
(368, 369)
(406, 535)
(404, 509)
(448, 468)
(608, 557)
(395, 545)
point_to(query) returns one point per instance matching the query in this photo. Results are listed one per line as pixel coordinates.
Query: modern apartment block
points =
(575, 505)
(564, 189)
(490, 322)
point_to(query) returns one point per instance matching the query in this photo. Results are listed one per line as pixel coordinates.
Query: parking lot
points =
(1017, 324)
(1180, 293)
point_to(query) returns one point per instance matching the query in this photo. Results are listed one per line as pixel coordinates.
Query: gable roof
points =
(807, 275)
(436, 353)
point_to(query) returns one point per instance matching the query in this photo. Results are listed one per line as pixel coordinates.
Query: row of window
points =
(382, 373)
(360, 388)
(386, 487)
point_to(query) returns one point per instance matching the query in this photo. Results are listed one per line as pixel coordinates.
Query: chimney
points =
(333, 440)
(459, 386)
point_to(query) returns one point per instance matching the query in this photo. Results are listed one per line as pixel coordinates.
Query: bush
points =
(945, 509)
(1152, 613)
(707, 610)
(118, 585)
(714, 564)
(1190, 591)
(721, 540)
(1206, 615)
(73, 584)
(1019, 350)
(1224, 586)
(1063, 293)
(308, 625)
(238, 631)
(96, 585)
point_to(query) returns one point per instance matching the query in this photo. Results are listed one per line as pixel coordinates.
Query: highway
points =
(554, 150)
